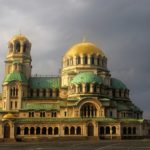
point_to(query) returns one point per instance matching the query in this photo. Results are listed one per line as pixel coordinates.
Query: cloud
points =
(120, 28)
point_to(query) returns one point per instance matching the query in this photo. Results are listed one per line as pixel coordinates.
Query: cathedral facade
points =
(83, 101)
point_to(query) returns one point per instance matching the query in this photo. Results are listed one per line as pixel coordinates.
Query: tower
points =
(17, 72)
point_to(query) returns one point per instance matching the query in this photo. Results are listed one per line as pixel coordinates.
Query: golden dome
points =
(84, 48)
(8, 116)
(19, 37)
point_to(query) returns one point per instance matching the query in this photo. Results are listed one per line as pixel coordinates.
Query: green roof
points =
(40, 106)
(44, 82)
(86, 77)
(117, 84)
(15, 76)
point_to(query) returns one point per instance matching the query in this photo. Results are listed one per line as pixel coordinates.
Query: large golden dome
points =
(19, 37)
(84, 48)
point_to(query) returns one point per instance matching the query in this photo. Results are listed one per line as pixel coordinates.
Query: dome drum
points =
(84, 54)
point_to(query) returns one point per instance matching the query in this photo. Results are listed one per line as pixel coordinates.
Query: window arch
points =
(72, 130)
(129, 130)
(38, 130)
(37, 92)
(17, 46)
(87, 88)
(85, 60)
(101, 130)
(18, 130)
(78, 130)
(92, 60)
(95, 88)
(44, 130)
(78, 60)
(50, 92)
(32, 130)
(107, 130)
(56, 130)
(26, 130)
(66, 131)
(80, 88)
(57, 92)
(134, 130)
(88, 110)
(25, 47)
(113, 130)
(44, 92)
(124, 130)
(50, 130)
(31, 92)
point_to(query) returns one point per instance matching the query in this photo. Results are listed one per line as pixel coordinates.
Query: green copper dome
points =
(86, 77)
(15, 76)
(117, 84)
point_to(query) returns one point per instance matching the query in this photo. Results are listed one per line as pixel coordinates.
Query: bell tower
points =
(17, 72)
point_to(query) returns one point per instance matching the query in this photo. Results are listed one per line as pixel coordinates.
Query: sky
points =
(120, 27)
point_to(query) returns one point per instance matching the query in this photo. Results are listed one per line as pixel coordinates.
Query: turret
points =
(17, 72)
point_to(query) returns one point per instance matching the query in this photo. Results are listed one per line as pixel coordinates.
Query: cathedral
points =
(84, 101)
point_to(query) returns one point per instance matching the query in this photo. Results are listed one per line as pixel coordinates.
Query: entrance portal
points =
(90, 129)
(7, 131)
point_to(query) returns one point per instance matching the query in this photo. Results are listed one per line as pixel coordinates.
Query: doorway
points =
(90, 129)
(7, 131)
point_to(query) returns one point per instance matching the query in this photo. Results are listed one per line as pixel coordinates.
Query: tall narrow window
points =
(85, 60)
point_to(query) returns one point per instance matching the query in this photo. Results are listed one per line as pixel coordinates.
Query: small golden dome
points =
(84, 48)
(8, 116)
(19, 37)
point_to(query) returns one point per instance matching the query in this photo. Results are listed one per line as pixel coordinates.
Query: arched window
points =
(31, 92)
(26, 130)
(44, 130)
(78, 130)
(92, 60)
(25, 46)
(56, 130)
(44, 92)
(95, 88)
(17, 47)
(50, 130)
(134, 130)
(66, 131)
(129, 130)
(113, 130)
(80, 88)
(72, 130)
(51, 92)
(107, 130)
(85, 60)
(32, 130)
(38, 130)
(87, 87)
(101, 130)
(18, 130)
(88, 110)
(124, 130)
(37, 92)
(57, 92)
(78, 60)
